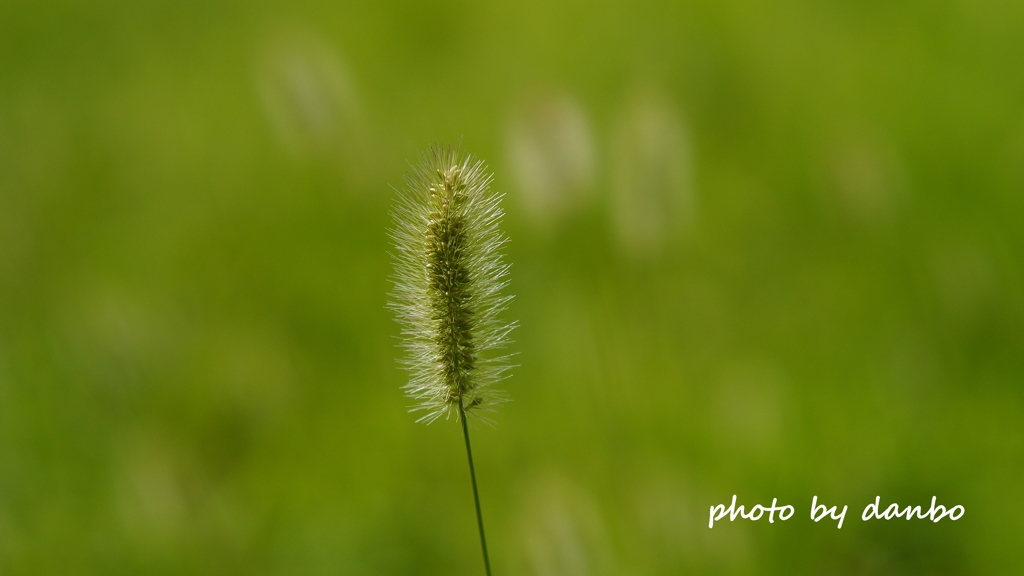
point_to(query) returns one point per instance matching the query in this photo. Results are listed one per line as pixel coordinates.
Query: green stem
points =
(476, 495)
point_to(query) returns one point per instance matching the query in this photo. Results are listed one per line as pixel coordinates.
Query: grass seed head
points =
(448, 283)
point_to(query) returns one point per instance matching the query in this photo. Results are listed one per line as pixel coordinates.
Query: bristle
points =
(448, 283)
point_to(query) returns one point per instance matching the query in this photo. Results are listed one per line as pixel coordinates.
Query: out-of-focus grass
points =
(817, 289)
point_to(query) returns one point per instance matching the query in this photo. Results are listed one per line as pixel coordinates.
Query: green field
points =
(766, 249)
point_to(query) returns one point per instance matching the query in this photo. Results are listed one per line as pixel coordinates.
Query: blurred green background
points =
(772, 249)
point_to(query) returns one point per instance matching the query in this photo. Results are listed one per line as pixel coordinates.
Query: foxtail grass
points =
(448, 296)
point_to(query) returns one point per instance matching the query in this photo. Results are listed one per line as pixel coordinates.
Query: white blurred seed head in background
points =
(564, 533)
(551, 152)
(652, 192)
(752, 407)
(864, 175)
(308, 95)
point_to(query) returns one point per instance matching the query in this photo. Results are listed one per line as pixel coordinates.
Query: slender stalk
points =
(476, 495)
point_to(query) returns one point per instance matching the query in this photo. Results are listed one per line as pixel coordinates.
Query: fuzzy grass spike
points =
(448, 284)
